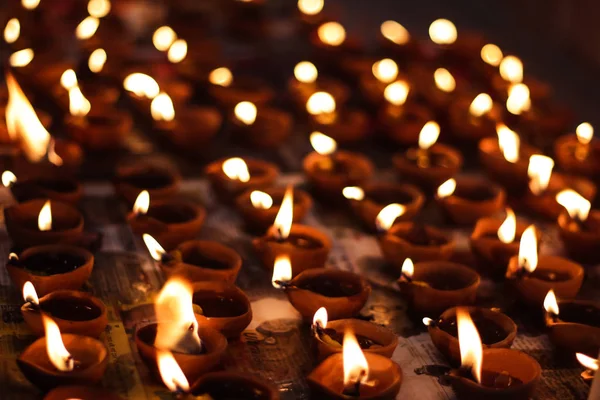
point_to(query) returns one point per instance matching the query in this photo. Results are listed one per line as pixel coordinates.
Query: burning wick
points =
(325, 146)
(319, 328)
(157, 252)
(408, 270)
(585, 133)
(59, 356)
(30, 296)
(551, 305)
(427, 138)
(429, 322)
(283, 221)
(356, 368)
(282, 272)
(527, 257)
(142, 203)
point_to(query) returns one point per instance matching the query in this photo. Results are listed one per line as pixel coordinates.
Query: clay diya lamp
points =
(449, 46)
(574, 325)
(332, 45)
(578, 227)
(396, 38)
(231, 177)
(432, 287)
(354, 374)
(330, 171)
(510, 73)
(260, 128)
(160, 183)
(368, 202)
(496, 330)
(374, 83)
(415, 241)
(342, 293)
(533, 276)
(259, 208)
(473, 119)
(430, 164)
(465, 199)
(63, 189)
(307, 81)
(231, 385)
(578, 154)
(81, 392)
(491, 57)
(494, 373)
(222, 306)
(63, 359)
(101, 129)
(170, 221)
(74, 312)
(328, 336)
(228, 90)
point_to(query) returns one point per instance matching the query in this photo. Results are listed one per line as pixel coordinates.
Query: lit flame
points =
(395, 32)
(142, 203)
(30, 4)
(385, 70)
(508, 229)
(442, 31)
(53, 157)
(355, 364)
(444, 80)
(177, 51)
(388, 214)
(528, 257)
(321, 318)
(57, 353)
(322, 143)
(576, 205)
(408, 268)
(588, 362)
(285, 216)
(353, 193)
(306, 72)
(97, 60)
(12, 30)
(332, 33)
(236, 169)
(471, 350)
(171, 373)
(480, 105)
(87, 28)
(142, 85)
(429, 135)
(221, 76)
(427, 321)
(245, 111)
(68, 79)
(78, 105)
(29, 293)
(518, 99)
(539, 172)
(320, 103)
(163, 38)
(99, 8)
(396, 92)
(154, 248)
(550, 303)
(45, 217)
(21, 58)
(162, 108)
(491, 54)
(310, 7)
(8, 178)
(446, 189)
(282, 270)
(511, 69)
(509, 143)
(261, 200)
(584, 132)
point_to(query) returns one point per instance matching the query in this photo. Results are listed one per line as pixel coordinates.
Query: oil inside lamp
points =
(12, 30)
(282, 272)
(221, 76)
(394, 32)
(178, 51)
(509, 143)
(481, 105)
(508, 230)
(322, 106)
(511, 69)
(306, 72)
(236, 169)
(396, 93)
(261, 200)
(171, 373)
(442, 32)
(446, 189)
(518, 100)
(388, 214)
(97, 60)
(58, 355)
(332, 33)
(21, 58)
(310, 7)
(245, 112)
(539, 172)
(45, 218)
(444, 80)
(353, 193)
(141, 85)
(99, 8)
(385, 70)
(163, 38)
(30, 4)
(585, 133)
(491, 54)
(87, 28)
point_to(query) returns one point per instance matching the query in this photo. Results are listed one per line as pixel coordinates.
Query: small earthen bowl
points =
(236, 380)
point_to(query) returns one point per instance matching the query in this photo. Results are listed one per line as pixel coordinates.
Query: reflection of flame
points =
(171, 373)
(282, 270)
(154, 248)
(539, 172)
(21, 58)
(584, 132)
(576, 205)
(429, 135)
(550, 303)
(322, 143)
(356, 368)
(528, 257)
(491, 54)
(320, 318)
(332, 33)
(30, 4)
(588, 362)
(511, 69)
(388, 214)
(261, 200)
(8, 178)
(68, 79)
(444, 80)
(310, 7)
(57, 352)
(163, 38)
(471, 350)
(221, 76)
(97, 60)
(142, 203)
(177, 51)
(509, 143)
(306, 72)
(442, 31)
(385, 70)
(508, 229)
(78, 105)
(408, 268)
(320, 103)
(142, 85)
(396, 92)
(162, 108)
(99, 8)
(353, 193)
(394, 32)
(12, 30)
(29, 293)
(480, 105)
(447, 188)
(87, 28)
(518, 99)
(236, 169)
(45, 217)
(285, 216)
(245, 111)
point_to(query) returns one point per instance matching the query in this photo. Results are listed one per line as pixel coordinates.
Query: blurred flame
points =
(21, 58)
(97, 60)
(385, 70)
(306, 72)
(511, 69)
(12, 30)
(177, 51)
(408, 268)
(447, 188)
(491, 54)
(528, 257)
(68, 79)
(332, 33)
(142, 203)
(480, 105)
(79, 106)
(388, 214)
(576, 205)
(322, 143)
(395, 32)
(142, 85)
(221, 76)
(508, 142)
(162, 108)
(539, 172)
(518, 99)
(442, 31)
(285, 215)
(45, 217)
(427, 321)
(355, 364)
(53, 157)
(444, 80)
(310, 7)
(471, 350)
(171, 373)
(30, 4)
(87, 28)
(99, 8)
(396, 92)
(154, 248)
(55, 348)
(353, 193)
(429, 135)
(320, 103)
(321, 318)
(261, 200)
(8, 178)
(508, 229)
(550, 303)
(587, 361)
(245, 111)
(584, 132)
(236, 169)
(282, 270)
(163, 38)
(29, 293)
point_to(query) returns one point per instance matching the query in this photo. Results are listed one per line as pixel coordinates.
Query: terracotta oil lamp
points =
(197, 260)
(259, 208)
(228, 90)
(533, 276)
(577, 154)
(63, 189)
(446, 44)
(170, 221)
(473, 119)
(353, 374)
(81, 392)
(495, 329)
(307, 81)
(161, 183)
(574, 325)
(394, 37)
(374, 83)
(306, 247)
(430, 164)
(74, 312)
(491, 373)
(465, 199)
(231, 177)
(369, 201)
(260, 127)
(63, 359)
(230, 384)
(331, 42)
(372, 338)
(434, 286)
(330, 170)
(491, 57)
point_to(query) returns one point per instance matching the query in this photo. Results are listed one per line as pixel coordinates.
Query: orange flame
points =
(447, 188)
(97, 60)
(171, 373)
(588, 362)
(408, 268)
(355, 364)
(332, 33)
(162, 108)
(8, 178)
(320, 103)
(528, 257)
(518, 99)
(12, 30)
(99, 8)
(142, 85)
(396, 92)
(261, 200)
(320, 318)
(509, 143)
(29, 293)
(539, 172)
(55, 348)
(21, 58)
(550, 303)
(576, 205)
(87, 28)
(236, 169)
(142, 203)
(353, 193)
(282, 270)
(508, 229)
(221, 76)
(78, 105)
(471, 350)
(388, 214)
(385, 70)
(163, 38)
(283, 221)
(246, 112)
(178, 51)
(306, 72)
(310, 7)
(323, 144)
(429, 135)
(444, 80)
(154, 248)
(491, 54)
(480, 105)
(45, 217)
(395, 32)
(585, 133)
(442, 31)
(30, 4)
(511, 69)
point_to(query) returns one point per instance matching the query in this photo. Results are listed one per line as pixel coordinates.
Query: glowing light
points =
(539, 172)
(585, 133)
(12, 30)
(68, 79)
(282, 270)
(587, 361)
(78, 105)
(511, 69)
(236, 169)
(321, 318)
(154, 248)
(528, 257)
(45, 217)
(142, 203)
(310, 7)
(322, 143)
(332, 33)
(8, 178)
(444, 80)
(481, 105)
(508, 229)
(87, 28)
(162, 108)
(395, 32)
(446, 189)
(396, 92)
(385, 70)
(245, 111)
(99, 8)
(221, 77)
(21, 58)
(285, 216)
(57, 352)
(178, 51)
(471, 350)
(508, 142)
(491, 54)
(442, 31)
(141, 85)
(429, 135)
(97, 60)
(356, 368)
(261, 200)
(518, 99)
(550, 303)
(171, 373)
(29, 293)
(306, 72)
(408, 268)
(30, 4)
(353, 193)
(576, 205)
(388, 214)
(320, 103)
(163, 38)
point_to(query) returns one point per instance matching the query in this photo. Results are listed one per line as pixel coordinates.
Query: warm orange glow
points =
(245, 111)
(282, 270)
(332, 33)
(68, 79)
(30, 4)
(285, 216)
(163, 38)
(29, 293)
(585, 133)
(427, 321)
(154, 248)
(442, 31)
(142, 203)
(491, 54)
(142, 85)
(322, 144)
(97, 60)
(221, 77)
(45, 217)
(539, 172)
(385, 70)
(511, 69)
(508, 229)
(356, 368)
(528, 256)
(509, 143)
(587, 361)
(446, 189)
(388, 214)
(261, 200)
(321, 318)
(8, 178)
(576, 205)
(306, 72)
(12, 30)
(79, 106)
(310, 7)
(21, 58)
(480, 105)
(429, 135)
(236, 169)
(353, 193)
(53, 157)
(320, 103)
(395, 32)
(178, 51)
(162, 108)
(87, 28)
(408, 268)
(550, 303)
(518, 99)
(396, 92)
(171, 373)
(444, 80)
(57, 353)
(99, 8)
(471, 350)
